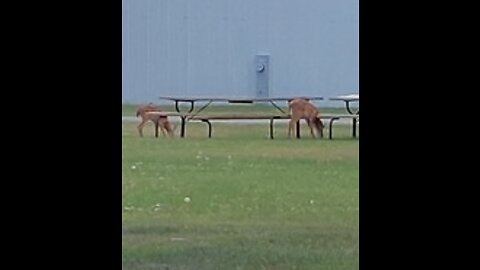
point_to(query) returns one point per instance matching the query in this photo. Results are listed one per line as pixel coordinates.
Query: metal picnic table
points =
(232, 100)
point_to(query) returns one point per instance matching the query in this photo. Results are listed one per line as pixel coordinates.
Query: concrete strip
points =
(133, 119)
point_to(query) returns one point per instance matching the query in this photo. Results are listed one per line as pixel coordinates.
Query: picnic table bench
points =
(207, 118)
(332, 118)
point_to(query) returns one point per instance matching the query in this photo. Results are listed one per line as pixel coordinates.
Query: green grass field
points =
(255, 203)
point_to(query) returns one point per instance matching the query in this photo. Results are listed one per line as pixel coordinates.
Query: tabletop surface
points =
(352, 97)
(236, 99)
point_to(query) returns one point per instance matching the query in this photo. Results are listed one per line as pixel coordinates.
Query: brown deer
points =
(150, 113)
(301, 108)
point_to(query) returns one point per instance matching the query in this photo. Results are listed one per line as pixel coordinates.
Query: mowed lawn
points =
(255, 203)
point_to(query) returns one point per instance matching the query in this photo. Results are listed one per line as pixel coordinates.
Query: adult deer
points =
(150, 112)
(301, 108)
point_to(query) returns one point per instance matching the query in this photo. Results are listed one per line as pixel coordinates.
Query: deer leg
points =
(166, 127)
(162, 128)
(290, 128)
(319, 126)
(310, 123)
(140, 127)
(291, 125)
(161, 124)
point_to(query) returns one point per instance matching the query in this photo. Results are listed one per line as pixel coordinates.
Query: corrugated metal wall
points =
(208, 47)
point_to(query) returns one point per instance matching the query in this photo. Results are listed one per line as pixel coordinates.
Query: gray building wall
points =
(208, 47)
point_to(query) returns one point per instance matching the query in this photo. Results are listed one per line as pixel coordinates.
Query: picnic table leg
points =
(354, 128)
(201, 109)
(331, 127)
(176, 106)
(156, 128)
(209, 127)
(192, 104)
(276, 106)
(298, 129)
(182, 127)
(271, 128)
(349, 110)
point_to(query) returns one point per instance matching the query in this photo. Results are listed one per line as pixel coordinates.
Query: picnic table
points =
(348, 99)
(191, 114)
